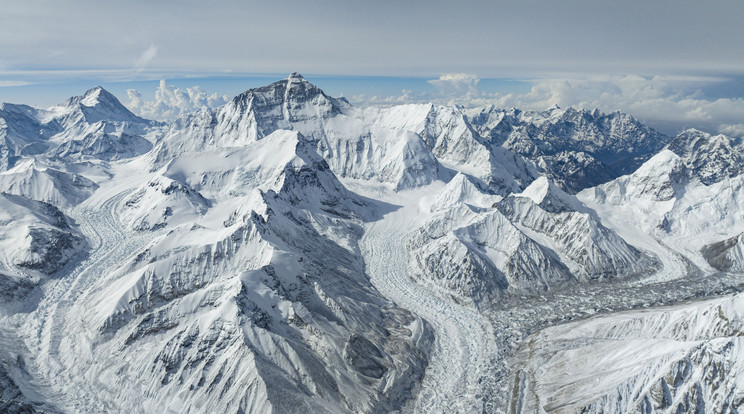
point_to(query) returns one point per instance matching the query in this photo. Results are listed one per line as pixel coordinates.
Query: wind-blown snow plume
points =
(171, 102)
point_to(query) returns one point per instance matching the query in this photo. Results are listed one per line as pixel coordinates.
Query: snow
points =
(288, 252)
(36, 238)
(549, 197)
(461, 333)
(666, 358)
(461, 190)
(40, 182)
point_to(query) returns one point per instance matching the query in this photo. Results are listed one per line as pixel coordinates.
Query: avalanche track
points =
(453, 379)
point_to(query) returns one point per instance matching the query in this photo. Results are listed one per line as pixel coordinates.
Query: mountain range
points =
(290, 252)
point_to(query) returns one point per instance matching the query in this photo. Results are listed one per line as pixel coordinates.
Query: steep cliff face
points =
(575, 148)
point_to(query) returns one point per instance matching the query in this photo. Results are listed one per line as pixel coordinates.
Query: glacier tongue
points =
(458, 363)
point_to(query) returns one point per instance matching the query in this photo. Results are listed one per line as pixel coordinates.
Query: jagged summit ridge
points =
(710, 158)
(578, 148)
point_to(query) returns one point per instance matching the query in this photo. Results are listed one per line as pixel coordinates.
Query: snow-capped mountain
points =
(689, 197)
(38, 181)
(37, 240)
(685, 359)
(261, 321)
(575, 148)
(290, 252)
(709, 158)
(574, 233)
(92, 126)
(541, 238)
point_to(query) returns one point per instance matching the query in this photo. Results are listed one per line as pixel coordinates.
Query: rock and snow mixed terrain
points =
(684, 358)
(289, 252)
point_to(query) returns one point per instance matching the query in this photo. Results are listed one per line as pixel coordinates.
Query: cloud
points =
(6, 84)
(735, 130)
(670, 103)
(457, 84)
(146, 57)
(171, 102)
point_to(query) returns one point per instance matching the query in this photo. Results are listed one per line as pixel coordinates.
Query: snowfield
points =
(291, 253)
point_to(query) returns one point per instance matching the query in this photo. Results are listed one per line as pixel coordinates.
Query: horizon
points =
(167, 99)
(671, 64)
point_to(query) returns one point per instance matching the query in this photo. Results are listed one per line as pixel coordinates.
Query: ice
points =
(289, 252)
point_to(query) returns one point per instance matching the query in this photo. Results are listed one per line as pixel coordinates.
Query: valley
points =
(290, 252)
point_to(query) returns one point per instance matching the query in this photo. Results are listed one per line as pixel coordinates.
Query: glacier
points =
(290, 252)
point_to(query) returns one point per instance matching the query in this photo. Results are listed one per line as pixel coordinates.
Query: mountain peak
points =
(295, 76)
(294, 98)
(549, 197)
(99, 104)
(98, 95)
(710, 158)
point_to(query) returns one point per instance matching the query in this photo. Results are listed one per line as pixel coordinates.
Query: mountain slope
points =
(258, 302)
(37, 239)
(95, 125)
(289, 252)
(576, 148)
(690, 202)
(684, 358)
(40, 182)
(561, 222)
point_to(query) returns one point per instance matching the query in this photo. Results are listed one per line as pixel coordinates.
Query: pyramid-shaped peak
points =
(298, 98)
(294, 84)
(96, 104)
(538, 189)
(549, 197)
(459, 190)
(98, 95)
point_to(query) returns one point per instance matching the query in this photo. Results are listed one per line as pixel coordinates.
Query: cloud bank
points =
(171, 102)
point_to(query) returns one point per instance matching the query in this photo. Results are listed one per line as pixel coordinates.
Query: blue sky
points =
(53, 91)
(672, 63)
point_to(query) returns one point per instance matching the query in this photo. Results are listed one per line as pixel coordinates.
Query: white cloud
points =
(735, 130)
(655, 100)
(171, 102)
(146, 57)
(6, 84)
(668, 103)
(457, 84)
